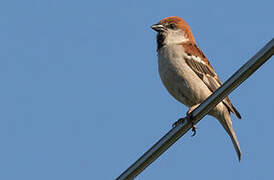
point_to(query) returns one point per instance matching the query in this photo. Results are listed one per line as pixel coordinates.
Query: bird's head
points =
(172, 30)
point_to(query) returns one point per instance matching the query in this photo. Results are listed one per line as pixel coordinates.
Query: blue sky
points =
(81, 97)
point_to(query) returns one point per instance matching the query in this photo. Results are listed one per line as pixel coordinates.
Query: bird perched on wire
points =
(187, 74)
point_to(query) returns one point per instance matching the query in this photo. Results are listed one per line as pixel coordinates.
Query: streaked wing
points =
(198, 62)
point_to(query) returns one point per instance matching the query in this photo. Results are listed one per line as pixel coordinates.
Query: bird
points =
(188, 75)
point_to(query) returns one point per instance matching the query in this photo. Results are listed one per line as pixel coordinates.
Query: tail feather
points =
(236, 112)
(231, 108)
(227, 125)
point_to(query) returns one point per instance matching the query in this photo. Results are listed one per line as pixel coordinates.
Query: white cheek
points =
(174, 37)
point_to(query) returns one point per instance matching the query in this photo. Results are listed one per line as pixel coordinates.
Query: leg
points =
(188, 115)
(188, 118)
(193, 129)
(191, 109)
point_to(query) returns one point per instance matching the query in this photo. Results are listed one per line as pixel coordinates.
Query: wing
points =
(198, 62)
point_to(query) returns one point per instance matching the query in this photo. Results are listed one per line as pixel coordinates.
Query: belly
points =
(180, 80)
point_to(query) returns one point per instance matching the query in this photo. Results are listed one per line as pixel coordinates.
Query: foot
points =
(181, 120)
(189, 118)
(194, 128)
(188, 115)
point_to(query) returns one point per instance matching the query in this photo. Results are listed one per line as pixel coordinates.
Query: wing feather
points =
(198, 62)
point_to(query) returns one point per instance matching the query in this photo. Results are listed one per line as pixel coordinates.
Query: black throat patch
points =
(160, 40)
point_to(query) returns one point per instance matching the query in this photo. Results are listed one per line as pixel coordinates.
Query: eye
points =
(172, 26)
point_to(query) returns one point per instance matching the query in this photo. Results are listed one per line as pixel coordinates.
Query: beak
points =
(158, 27)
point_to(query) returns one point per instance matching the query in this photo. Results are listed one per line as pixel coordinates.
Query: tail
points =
(236, 112)
(227, 125)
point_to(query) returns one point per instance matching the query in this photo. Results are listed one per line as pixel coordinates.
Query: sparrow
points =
(187, 74)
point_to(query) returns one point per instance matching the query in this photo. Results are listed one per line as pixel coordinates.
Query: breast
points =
(179, 79)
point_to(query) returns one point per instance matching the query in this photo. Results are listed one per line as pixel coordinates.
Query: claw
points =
(188, 118)
(193, 130)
